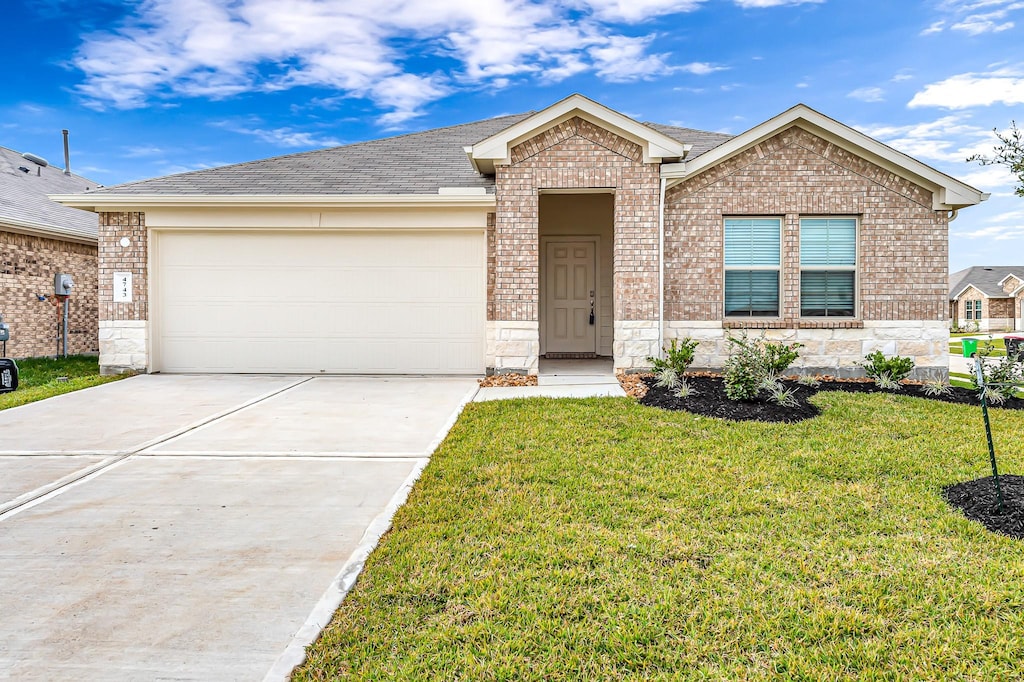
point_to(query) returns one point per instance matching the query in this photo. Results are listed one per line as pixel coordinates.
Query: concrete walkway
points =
(199, 528)
(564, 379)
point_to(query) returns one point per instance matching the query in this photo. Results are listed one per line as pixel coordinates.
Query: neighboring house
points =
(38, 239)
(989, 297)
(570, 232)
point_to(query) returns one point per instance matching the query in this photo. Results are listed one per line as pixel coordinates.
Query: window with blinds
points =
(828, 267)
(752, 257)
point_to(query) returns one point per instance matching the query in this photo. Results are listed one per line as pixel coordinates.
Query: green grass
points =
(599, 539)
(39, 378)
(997, 347)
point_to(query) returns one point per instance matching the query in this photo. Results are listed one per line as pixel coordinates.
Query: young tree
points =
(1009, 152)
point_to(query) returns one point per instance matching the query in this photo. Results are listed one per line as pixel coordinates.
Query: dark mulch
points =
(978, 502)
(707, 397)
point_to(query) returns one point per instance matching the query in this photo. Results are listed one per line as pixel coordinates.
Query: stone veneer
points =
(574, 154)
(27, 266)
(123, 327)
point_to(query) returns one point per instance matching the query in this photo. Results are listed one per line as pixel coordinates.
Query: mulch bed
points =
(707, 397)
(978, 502)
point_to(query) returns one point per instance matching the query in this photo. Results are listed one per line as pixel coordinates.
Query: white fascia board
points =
(48, 231)
(948, 192)
(498, 148)
(1012, 274)
(114, 202)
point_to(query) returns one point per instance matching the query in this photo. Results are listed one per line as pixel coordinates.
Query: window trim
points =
(855, 268)
(755, 268)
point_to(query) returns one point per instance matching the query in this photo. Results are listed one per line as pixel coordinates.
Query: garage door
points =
(389, 302)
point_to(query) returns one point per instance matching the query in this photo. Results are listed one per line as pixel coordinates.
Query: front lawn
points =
(40, 378)
(600, 539)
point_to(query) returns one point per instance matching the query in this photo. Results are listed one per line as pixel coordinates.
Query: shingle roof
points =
(23, 200)
(985, 278)
(417, 163)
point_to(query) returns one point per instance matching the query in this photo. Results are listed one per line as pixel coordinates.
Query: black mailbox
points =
(8, 375)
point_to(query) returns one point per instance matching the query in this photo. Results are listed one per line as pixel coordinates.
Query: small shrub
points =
(683, 390)
(887, 372)
(937, 387)
(752, 363)
(667, 377)
(678, 355)
(808, 380)
(779, 394)
(1000, 377)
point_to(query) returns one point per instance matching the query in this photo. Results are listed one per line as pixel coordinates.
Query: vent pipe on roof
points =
(67, 154)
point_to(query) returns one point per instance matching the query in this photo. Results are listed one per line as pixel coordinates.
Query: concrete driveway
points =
(199, 527)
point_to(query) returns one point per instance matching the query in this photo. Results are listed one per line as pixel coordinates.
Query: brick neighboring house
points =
(991, 297)
(38, 239)
(574, 231)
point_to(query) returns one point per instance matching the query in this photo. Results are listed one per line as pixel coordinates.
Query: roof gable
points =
(987, 279)
(497, 149)
(948, 193)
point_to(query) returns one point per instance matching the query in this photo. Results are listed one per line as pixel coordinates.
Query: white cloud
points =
(990, 178)
(975, 17)
(702, 68)
(934, 27)
(1005, 86)
(868, 94)
(285, 136)
(756, 4)
(949, 139)
(170, 49)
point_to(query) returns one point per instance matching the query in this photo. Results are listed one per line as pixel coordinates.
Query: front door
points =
(570, 285)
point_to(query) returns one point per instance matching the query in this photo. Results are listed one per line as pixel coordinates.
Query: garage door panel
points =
(383, 302)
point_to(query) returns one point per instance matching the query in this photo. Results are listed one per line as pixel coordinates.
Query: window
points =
(973, 310)
(752, 267)
(828, 267)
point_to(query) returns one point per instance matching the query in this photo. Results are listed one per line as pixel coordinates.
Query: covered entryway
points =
(332, 302)
(576, 274)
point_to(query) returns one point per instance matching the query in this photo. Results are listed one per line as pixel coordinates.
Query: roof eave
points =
(44, 230)
(113, 202)
(948, 193)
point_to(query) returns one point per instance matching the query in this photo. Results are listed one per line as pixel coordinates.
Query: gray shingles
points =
(985, 278)
(417, 163)
(23, 197)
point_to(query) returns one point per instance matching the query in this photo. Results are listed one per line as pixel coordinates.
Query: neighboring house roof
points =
(987, 279)
(413, 164)
(25, 207)
(948, 193)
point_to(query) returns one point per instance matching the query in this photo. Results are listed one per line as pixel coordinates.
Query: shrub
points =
(754, 364)
(808, 380)
(937, 387)
(887, 372)
(1000, 377)
(683, 390)
(778, 393)
(678, 356)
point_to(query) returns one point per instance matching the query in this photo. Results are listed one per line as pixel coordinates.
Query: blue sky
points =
(152, 87)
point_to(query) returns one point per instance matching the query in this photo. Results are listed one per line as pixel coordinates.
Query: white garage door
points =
(390, 302)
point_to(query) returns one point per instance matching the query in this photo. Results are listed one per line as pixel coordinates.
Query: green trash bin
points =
(970, 347)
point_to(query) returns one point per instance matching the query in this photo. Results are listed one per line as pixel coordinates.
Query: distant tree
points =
(1009, 152)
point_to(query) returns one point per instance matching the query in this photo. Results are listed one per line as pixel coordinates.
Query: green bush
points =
(754, 365)
(1001, 377)
(678, 357)
(887, 372)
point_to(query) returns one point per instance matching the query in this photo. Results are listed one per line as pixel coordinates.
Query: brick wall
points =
(27, 266)
(123, 327)
(576, 154)
(902, 271)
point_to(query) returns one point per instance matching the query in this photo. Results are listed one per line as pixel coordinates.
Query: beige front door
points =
(570, 286)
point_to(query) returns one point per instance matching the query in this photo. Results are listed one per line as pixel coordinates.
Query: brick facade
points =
(902, 252)
(27, 266)
(997, 314)
(574, 154)
(123, 327)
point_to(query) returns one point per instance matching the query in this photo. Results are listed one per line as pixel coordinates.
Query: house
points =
(988, 298)
(570, 232)
(38, 239)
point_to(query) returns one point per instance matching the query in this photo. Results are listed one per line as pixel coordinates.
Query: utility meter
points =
(5, 330)
(62, 284)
